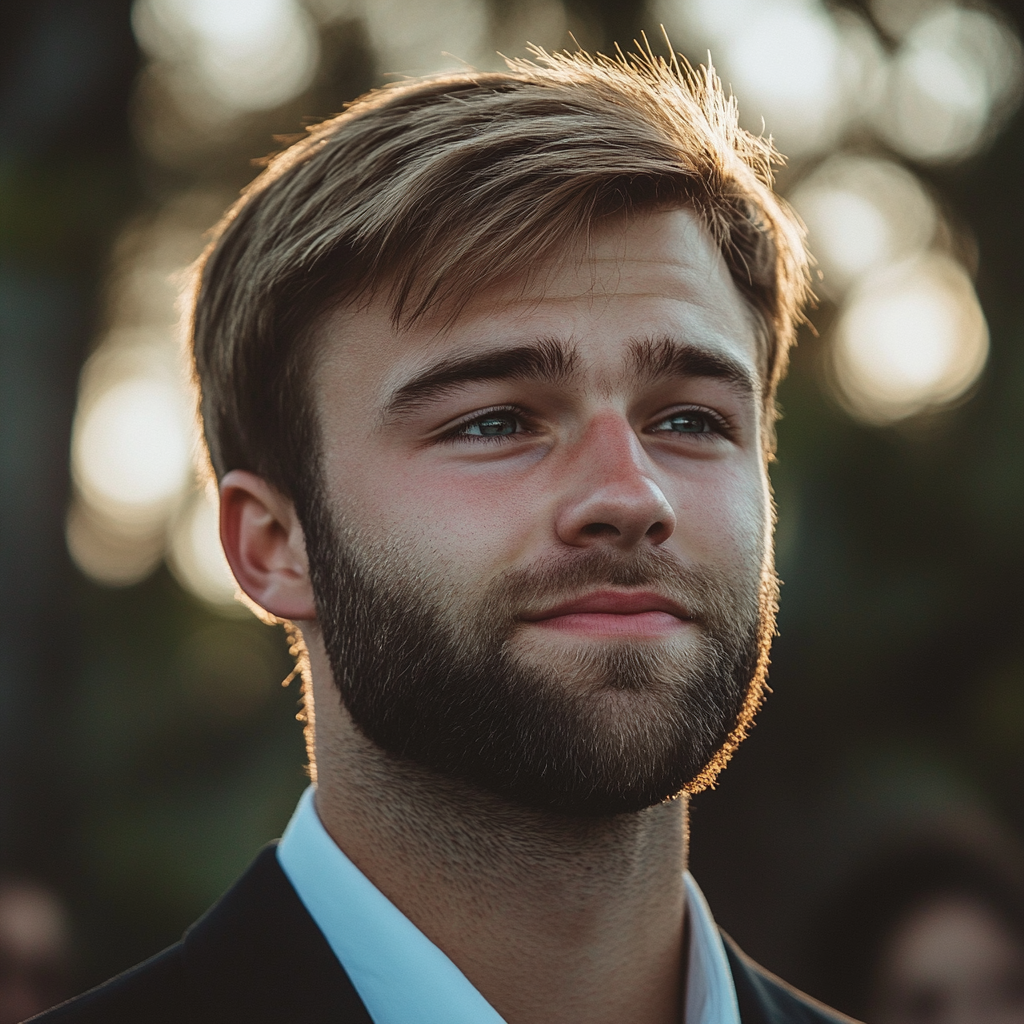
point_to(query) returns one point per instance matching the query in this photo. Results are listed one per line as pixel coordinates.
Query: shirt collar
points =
(403, 978)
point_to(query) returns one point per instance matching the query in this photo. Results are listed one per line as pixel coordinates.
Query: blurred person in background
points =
(929, 932)
(487, 368)
(35, 950)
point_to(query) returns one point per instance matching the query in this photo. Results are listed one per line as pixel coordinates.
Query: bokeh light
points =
(844, 103)
(246, 55)
(799, 71)
(131, 457)
(953, 78)
(862, 213)
(896, 17)
(815, 74)
(135, 435)
(927, 81)
(130, 450)
(785, 67)
(196, 557)
(419, 38)
(116, 553)
(911, 337)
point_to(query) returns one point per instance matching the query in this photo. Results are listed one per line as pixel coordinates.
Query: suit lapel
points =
(257, 956)
(754, 1007)
(765, 999)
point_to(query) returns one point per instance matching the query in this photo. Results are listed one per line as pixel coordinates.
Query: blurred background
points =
(147, 748)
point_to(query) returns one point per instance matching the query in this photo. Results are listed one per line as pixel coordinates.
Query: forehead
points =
(642, 278)
(665, 254)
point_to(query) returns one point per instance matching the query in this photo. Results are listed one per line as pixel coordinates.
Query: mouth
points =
(614, 613)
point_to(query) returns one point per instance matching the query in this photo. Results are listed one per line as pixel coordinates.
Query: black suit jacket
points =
(257, 957)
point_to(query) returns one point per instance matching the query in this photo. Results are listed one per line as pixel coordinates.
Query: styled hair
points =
(424, 192)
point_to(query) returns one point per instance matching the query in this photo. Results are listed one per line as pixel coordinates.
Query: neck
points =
(554, 919)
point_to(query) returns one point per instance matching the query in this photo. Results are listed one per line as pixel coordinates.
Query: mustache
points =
(707, 595)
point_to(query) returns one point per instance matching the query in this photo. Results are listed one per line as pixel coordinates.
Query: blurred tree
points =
(146, 749)
(66, 182)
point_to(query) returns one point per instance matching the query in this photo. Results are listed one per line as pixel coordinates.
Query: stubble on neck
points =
(552, 917)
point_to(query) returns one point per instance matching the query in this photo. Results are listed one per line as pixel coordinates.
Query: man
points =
(487, 367)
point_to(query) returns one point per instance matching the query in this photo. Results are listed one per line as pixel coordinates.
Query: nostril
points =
(658, 531)
(600, 530)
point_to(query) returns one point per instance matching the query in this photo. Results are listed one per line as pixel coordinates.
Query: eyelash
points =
(719, 424)
(456, 432)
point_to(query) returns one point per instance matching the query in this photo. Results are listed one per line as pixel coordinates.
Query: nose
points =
(611, 495)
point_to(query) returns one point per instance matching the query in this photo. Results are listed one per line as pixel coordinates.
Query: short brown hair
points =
(429, 190)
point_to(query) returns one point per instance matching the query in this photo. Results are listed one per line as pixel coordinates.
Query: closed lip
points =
(612, 602)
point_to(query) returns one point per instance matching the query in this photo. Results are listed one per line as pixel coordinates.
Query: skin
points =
(555, 920)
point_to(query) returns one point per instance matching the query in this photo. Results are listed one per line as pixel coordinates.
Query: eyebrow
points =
(551, 360)
(655, 358)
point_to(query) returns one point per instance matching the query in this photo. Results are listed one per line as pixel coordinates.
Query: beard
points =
(447, 682)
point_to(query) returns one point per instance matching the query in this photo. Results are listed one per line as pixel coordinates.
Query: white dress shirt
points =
(403, 978)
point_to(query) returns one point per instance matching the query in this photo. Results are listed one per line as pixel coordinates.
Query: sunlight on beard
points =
(431, 663)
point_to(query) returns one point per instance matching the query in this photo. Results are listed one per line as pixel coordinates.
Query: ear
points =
(265, 546)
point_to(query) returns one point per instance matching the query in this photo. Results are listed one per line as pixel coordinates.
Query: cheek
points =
(723, 514)
(497, 515)
(456, 513)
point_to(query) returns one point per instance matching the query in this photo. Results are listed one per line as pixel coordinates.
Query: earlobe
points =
(265, 546)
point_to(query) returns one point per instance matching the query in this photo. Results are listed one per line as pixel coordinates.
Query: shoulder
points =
(153, 991)
(256, 956)
(765, 999)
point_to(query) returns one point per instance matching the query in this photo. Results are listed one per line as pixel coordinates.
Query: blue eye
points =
(494, 424)
(686, 423)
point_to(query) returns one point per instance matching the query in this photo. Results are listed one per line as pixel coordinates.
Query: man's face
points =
(541, 550)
